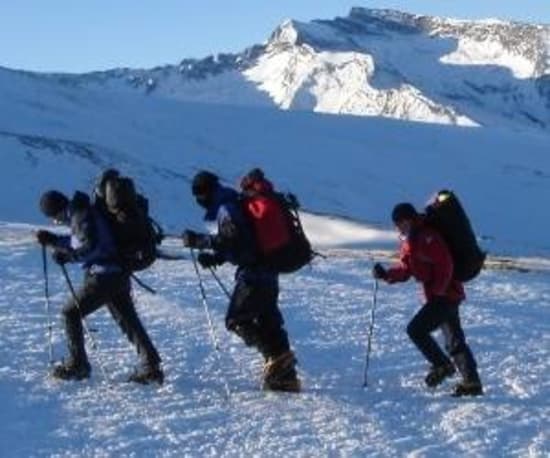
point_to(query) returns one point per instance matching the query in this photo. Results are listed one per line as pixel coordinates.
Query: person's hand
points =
(194, 239)
(46, 237)
(378, 271)
(207, 260)
(61, 257)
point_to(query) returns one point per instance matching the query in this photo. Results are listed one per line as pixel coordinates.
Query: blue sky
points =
(78, 36)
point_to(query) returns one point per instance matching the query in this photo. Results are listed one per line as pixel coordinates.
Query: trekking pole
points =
(220, 283)
(371, 329)
(213, 335)
(84, 324)
(47, 297)
(141, 283)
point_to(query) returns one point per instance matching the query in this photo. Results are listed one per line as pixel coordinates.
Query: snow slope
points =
(327, 311)
(54, 136)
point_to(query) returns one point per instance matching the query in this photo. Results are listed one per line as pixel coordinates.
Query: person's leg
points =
(273, 335)
(428, 319)
(89, 298)
(419, 329)
(455, 343)
(254, 316)
(280, 367)
(123, 310)
(241, 317)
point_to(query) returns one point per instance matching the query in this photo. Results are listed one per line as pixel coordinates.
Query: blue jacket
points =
(91, 242)
(234, 240)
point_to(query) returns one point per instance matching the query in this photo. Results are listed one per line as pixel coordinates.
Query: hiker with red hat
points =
(253, 312)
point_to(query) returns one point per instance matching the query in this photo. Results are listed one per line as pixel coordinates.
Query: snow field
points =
(327, 310)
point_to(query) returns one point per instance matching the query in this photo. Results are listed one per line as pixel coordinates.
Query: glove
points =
(61, 257)
(378, 271)
(46, 237)
(193, 239)
(207, 260)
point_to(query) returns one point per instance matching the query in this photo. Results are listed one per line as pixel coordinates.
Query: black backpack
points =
(447, 216)
(136, 234)
(281, 242)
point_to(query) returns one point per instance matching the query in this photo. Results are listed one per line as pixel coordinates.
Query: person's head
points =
(251, 177)
(55, 205)
(101, 185)
(203, 187)
(404, 216)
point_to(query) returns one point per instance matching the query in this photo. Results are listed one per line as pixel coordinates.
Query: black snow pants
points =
(113, 290)
(254, 315)
(445, 316)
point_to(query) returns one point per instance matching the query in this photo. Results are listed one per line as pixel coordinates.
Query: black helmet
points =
(402, 211)
(203, 186)
(52, 203)
(204, 183)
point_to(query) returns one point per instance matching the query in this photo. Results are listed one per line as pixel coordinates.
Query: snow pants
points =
(445, 316)
(254, 315)
(112, 290)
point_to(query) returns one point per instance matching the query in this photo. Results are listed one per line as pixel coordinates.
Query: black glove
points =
(193, 239)
(61, 257)
(378, 271)
(207, 260)
(46, 237)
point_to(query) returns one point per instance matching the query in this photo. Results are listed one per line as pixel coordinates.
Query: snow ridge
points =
(370, 63)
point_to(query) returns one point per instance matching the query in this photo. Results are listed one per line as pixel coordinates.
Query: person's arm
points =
(399, 272)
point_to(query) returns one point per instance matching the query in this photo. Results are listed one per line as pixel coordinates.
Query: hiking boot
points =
(439, 373)
(278, 366)
(147, 375)
(289, 385)
(71, 371)
(280, 373)
(467, 388)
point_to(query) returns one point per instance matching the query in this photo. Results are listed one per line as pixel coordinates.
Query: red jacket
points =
(425, 256)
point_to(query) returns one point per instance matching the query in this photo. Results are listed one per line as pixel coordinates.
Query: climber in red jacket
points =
(425, 256)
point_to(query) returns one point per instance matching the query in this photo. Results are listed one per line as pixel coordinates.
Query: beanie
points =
(52, 203)
(403, 210)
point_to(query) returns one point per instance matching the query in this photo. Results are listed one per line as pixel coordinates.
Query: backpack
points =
(281, 242)
(447, 216)
(136, 234)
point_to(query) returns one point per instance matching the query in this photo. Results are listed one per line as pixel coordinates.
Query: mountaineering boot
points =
(437, 374)
(290, 383)
(72, 371)
(280, 373)
(468, 388)
(147, 375)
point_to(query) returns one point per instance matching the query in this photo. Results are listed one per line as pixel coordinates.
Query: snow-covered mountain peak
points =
(410, 66)
(372, 62)
(384, 14)
(285, 34)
